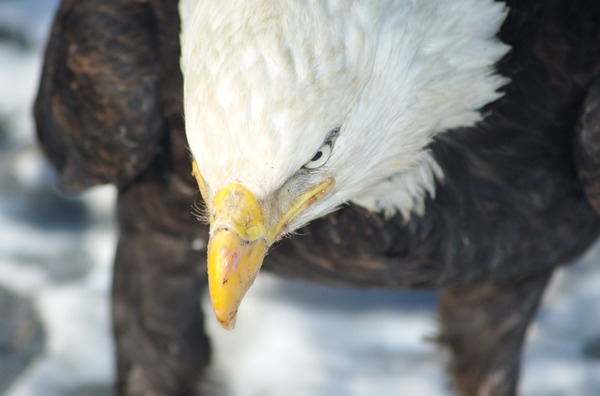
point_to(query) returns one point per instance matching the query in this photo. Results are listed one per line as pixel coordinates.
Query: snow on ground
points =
(291, 338)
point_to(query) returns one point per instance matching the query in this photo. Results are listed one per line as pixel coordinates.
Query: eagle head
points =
(294, 108)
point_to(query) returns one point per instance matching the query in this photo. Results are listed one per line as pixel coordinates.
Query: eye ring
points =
(320, 157)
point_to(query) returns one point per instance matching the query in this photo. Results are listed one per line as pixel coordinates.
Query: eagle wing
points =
(98, 106)
(587, 146)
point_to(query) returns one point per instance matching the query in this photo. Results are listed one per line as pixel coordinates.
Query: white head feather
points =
(266, 81)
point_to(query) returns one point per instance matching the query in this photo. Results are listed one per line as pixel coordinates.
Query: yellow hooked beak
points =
(239, 241)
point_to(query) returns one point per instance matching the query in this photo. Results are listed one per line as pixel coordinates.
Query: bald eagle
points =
(441, 144)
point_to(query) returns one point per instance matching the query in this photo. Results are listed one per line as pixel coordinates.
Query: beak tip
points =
(227, 321)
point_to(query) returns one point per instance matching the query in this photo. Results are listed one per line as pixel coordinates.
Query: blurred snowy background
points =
(291, 338)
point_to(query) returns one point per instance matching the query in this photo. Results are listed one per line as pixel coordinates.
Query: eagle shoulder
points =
(98, 107)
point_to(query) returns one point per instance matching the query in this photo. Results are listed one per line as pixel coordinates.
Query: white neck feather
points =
(438, 57)
(268, 80)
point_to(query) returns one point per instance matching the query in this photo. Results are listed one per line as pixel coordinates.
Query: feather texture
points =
(510, 201)
(264, 84)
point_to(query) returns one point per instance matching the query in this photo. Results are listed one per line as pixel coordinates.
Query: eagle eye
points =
(320, 157)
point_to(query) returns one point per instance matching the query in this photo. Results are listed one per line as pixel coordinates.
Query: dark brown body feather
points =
(512, 205)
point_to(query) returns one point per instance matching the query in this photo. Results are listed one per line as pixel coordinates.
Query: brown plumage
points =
(511, 208)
